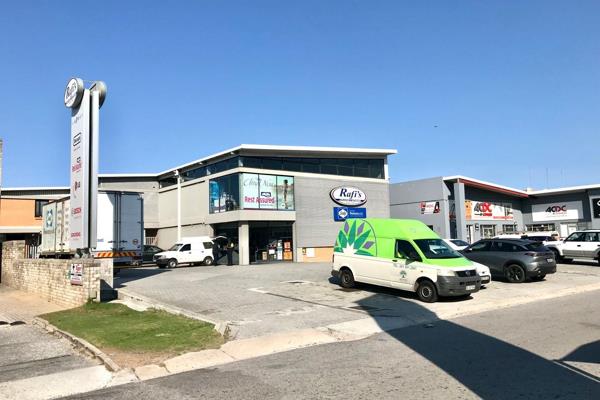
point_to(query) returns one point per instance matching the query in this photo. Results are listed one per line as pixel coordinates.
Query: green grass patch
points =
(117, 326)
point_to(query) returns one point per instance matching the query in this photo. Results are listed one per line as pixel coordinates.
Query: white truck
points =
(120, 228)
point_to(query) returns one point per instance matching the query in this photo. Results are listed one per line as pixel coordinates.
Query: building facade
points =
(274, 202)
(471, 209)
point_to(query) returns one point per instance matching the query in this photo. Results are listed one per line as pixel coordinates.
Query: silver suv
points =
(580, 244)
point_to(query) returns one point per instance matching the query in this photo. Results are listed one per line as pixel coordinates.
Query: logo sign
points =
(430, 207)
(80, 172)
(49, 223)
(74, 92)
(596, 207)
(482, 210)
(348, 196)
(344, 213)
(568, 210)
(76, 274)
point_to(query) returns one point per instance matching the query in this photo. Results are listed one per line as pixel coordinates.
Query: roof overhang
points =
(476, 183)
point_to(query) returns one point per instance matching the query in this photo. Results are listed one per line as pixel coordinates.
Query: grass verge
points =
(116, 327)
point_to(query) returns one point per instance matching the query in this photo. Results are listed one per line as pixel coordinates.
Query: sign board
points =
(80, 173)
(566, 210)
(483, 210)
(266, 192)
(348, 196)
(76, 274)
(430, 207)
(596, 207)
(344, 213)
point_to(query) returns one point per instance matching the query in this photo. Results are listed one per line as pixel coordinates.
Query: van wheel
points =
(514, 273)
(347, 279)
(172, 263)
(427, 292)
(208, 261)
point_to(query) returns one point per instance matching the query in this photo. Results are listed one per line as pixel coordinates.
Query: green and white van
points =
(403, 254)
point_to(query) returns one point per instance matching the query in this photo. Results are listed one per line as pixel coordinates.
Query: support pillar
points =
(459, 207)
(244, 242)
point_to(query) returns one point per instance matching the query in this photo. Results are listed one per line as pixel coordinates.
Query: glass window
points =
(311, 165)
(436, 248)
(346, 167)
(459, 242)
(208, 245)
(271, 163)
(361, 168)
(194, 173)
(591, 237)
(576, 237)
(376, 169)
(285, 192)
(165, 182)
(329, 166)
(251, 162)
(292, 164)
(224, 193)
(406, 250)
(509, 228)
(537, 246)
(482, 245)
(186, 247)
(38, 207)
(506, 247)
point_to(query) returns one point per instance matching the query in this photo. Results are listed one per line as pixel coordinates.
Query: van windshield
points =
(436, 248)
(175, 247)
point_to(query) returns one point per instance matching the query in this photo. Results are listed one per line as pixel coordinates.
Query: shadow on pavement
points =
(127, 275)
(489, 367)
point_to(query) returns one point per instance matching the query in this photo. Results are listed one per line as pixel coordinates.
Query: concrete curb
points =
(220, 326)
(80, 344)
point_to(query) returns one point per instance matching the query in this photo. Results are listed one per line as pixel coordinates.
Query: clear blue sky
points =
(512, 86)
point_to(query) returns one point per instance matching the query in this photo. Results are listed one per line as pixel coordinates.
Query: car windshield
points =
(175, 247)
(436, 248)
(459, 242)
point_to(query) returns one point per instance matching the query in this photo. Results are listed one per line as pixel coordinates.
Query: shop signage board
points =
(483, 210)
(348, 196)
(596, 207)
(76, 274)
(566, 210)
(266, 192)
(344, 213)
(430, 207)
(80, 171)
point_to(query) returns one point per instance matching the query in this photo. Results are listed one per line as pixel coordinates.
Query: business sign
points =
(348, 196)
(566, 210)
(430, 207)
(74, 92)
(596, 207)
(344, 213)
(76, 274)
(80, 172)
(483, 210)
(266, 192)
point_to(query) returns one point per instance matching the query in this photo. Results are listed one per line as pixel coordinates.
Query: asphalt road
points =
(544, 350)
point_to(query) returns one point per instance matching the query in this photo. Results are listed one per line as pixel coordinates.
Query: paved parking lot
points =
(264, 299)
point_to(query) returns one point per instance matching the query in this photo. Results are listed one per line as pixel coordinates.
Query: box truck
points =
(120, 228)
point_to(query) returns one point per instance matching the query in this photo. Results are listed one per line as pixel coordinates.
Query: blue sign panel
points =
(344, 213)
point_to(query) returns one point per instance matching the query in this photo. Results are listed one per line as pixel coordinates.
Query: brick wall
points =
(50, 278)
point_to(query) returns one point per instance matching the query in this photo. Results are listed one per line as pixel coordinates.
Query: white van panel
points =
(106, 222)
(49, 228)
(130, 224)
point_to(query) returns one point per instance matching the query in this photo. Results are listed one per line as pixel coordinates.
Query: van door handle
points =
(397, 260)
(578, 245)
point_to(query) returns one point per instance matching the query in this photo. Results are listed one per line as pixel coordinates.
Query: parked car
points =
(515, 259)
(148, 253)
(190, 250)
(402, 254)
(544, 237)
(580, 244)
(482, 270)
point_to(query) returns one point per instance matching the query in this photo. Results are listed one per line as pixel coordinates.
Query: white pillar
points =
(178, 204)
(244, 242)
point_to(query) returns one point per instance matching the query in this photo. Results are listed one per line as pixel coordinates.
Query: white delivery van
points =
(120, 228)
(188, 250)
(403, 254)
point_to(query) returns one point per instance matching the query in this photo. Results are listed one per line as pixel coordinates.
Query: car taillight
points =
(531, 254)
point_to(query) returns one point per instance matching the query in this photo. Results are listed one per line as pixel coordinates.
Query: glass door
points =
(488, 231)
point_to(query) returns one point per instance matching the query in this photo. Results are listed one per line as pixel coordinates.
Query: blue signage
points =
(344, 213)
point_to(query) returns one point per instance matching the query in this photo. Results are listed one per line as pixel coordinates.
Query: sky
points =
(504, 91)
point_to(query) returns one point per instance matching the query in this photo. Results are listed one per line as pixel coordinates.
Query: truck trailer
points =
(120, 228)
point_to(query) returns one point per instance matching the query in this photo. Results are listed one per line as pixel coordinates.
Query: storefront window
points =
(224, 194)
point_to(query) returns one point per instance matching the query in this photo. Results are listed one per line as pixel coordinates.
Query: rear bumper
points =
(541, 270)
(457, 286)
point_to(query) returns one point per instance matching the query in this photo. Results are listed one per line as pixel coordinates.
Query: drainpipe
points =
(178, 177)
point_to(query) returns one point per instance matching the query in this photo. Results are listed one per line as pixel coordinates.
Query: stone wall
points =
(50, 278)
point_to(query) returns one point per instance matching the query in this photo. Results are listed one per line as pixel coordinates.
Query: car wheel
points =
(539, 277)
(347, 279)
(427, 292)
(557, 255)
(172, 263)
(515, 273)
(208, 261)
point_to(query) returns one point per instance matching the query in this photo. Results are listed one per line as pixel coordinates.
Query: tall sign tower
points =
(85, 128)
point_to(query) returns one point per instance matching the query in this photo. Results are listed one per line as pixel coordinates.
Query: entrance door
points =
(271, 241)
(488, 231)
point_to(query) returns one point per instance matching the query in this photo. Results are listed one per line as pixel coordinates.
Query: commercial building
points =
(471, 209)
(277, 203)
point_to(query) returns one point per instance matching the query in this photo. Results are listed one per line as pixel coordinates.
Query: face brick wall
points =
(49, 278)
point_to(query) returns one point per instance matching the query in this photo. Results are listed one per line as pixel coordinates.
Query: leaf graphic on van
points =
(353, 240)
